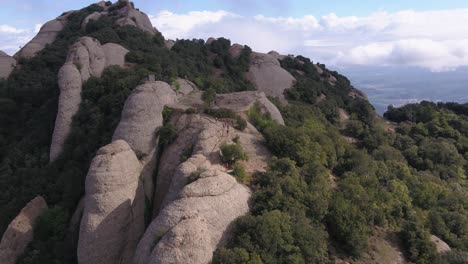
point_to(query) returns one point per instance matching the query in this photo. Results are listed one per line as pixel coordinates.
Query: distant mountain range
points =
(401, 85)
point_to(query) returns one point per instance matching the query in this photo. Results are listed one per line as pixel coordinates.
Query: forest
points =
(323, 195)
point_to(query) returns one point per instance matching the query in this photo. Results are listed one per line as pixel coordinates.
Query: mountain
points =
(119, 146)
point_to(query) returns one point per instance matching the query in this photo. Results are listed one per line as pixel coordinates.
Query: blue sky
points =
(430, 34)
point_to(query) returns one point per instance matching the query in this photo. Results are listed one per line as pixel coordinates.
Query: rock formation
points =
(169, 43)
(20, 231)
(86, 58)
(241, 102)
(141, 119)
(7, 65)
(267, 75)
(111, 224)
(136, 18)
(47, 34)
(193, 194)
(236, 50)
(441, 246)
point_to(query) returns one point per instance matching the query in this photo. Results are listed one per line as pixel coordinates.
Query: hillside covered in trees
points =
(339, 175)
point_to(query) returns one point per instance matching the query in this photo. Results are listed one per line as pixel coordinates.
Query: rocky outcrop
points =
(86, 58)
(7, 65)
(441, 246)
(236, 50)
(267, 75)
(210, 40)
(111, 224)
(94, 16)
(276, 55)
(169, 43)
(194, 218)
(132, 17)
(243, 101)
(47, 34)
(183, 87)
(141, 119)
(142, 116)
(20, 231)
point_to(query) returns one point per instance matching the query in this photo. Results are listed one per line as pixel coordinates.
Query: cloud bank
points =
(437, 40)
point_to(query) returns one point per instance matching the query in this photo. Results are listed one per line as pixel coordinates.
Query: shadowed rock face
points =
(111, 224)
(20, 231)
(7, 65)
(267, 75)
(86, 58)
(47, 34)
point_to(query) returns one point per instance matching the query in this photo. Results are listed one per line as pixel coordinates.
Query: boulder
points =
(169, 43)
(7, 65)
(132, 17)
(111, 224)
(86, 58)
(70, 82)
(276, 55)
(267, 75)
(243, 101)
(183, 87)
(47, 34)
(142, 116)
(441, 246)
(20, 231)
(94, 16)
(210, 40)
(193, 219)
(189, 229)
(115, 54)
(236, 50)
(140, 121)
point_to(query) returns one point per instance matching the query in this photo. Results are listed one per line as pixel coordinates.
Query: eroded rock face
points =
(86, 58)
(243, 101)
(267, 75)
(7, 65)
(111, 224)
(276, 55)
(20, 231)
(195, 212)
(47, 34)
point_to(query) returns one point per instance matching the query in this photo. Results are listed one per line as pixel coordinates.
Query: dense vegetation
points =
(321, 196)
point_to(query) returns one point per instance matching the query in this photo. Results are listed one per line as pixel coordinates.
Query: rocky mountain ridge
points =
(161, 189)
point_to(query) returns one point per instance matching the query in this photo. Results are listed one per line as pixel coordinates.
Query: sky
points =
(429, 34)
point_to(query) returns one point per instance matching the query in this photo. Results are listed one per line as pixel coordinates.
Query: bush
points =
(240, 173)
(167, 134)
(232, 153)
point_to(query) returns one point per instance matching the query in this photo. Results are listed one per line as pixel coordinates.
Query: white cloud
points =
(437, 40)
(12, 38)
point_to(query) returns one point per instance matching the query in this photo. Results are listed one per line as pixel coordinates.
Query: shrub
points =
(167, 134)
(240, 173)
(186, 154)
(232, 153)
